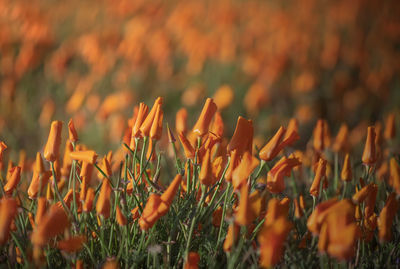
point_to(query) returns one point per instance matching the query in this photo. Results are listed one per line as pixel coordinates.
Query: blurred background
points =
(94, 60)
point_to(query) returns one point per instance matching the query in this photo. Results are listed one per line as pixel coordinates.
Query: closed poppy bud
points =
(395, 175)
(206, 177)
(370, 201)
(103, 204)
(298, 211)
(319, 138)
(187, 147)
(369, 156)
(41, 209)
(39, 181)
(156, 127)
(244, 170)
(142, 113)
(121, 219)
(180, 121)
(244, 214)
(269, 151)
(231, 237)
(8, 211)
(275, 210)
(53, 223)
(258, 203)
(362, 194)
(151, 153)
(293, 128)
(341, 141)
(275, 177)
(150, 214)
(323, 238)
(72, 244)
(39, 166)
(319, 175)
(88, 156)
(88, 205)
(346, 174)
(206, 115)
(390, 128)
(13, 180)
(146, 125)
(314, 221)
(242, 138)
(386, 218)
(52, 148)
(192, 261)
(73, 136)
(83, 189)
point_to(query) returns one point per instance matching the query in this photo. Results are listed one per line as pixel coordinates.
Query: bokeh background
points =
(94, 60)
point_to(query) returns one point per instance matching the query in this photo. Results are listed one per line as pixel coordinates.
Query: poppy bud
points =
(346, 174)
(319, 175)
(369, 156)
(13, 181)
(52, 148)
(390, 128)
(206, 115)
(8, 211)
(148, 122)
(72, 244)
(88, 156)
(180, 121)
(103, 204)
(73, 136)
(121, 219)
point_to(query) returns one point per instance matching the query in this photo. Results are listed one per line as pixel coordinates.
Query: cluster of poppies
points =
(223, 187)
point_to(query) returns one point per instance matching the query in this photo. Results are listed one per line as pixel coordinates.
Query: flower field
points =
(199, 134)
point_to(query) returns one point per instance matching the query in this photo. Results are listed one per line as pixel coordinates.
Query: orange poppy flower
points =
(52, 148)
(88, 156)
(135, 213)
(38, 179)
(231, 237)
(142, 114)
(150, 214)
(192, 261)
(40, 210)
(187, 147)
(275, 210)
(258, 203)
(156, 127)
(275, 177)
(369, 156)
(88, 205)
(370, 201)
(206, 176)
(362, 194)
(223, 96)
(13, 181)
(243, 170)
(73, 136)
(8, 211)
(319, 175)
(103, 204)
(272, 240)
(242, 138)
(386, 218)
(244, 216)
(277, 143)
(204, 120)
(346, 174)
(53, 223)
(314, 221)
(148, 122)
(72, 244)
